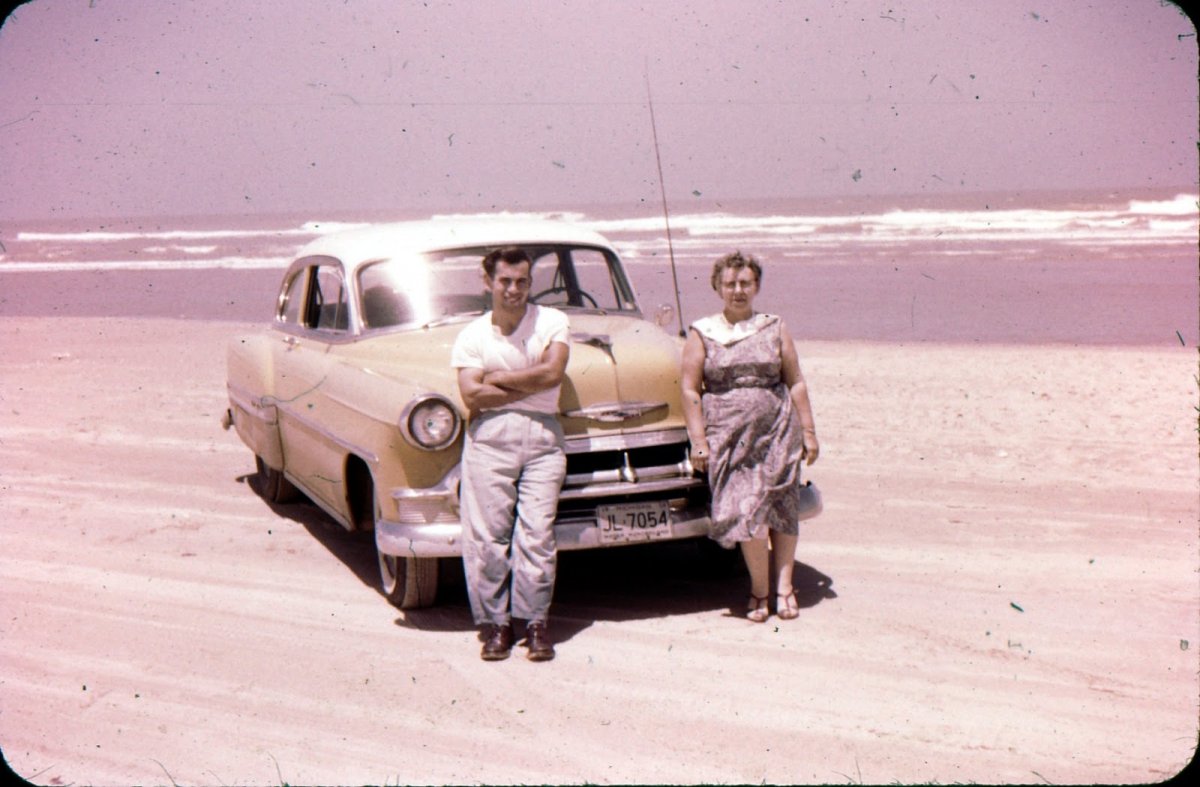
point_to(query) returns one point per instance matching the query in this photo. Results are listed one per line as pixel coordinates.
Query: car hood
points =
(623, 374)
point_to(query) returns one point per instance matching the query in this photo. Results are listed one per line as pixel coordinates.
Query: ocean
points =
(1090, 268)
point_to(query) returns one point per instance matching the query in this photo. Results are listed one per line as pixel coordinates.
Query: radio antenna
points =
(662, 187)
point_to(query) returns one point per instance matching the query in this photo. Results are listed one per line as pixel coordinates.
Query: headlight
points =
(430, 422)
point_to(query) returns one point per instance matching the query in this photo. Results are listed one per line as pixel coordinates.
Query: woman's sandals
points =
(786, 605)
(756, 609)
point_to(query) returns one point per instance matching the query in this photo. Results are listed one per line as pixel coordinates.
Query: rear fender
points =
(249, 367)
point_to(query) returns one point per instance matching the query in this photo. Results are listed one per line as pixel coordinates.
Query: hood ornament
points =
(611, 412)
(616, 412)
(600, 341)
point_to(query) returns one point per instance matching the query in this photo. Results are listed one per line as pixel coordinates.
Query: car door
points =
(317, 303)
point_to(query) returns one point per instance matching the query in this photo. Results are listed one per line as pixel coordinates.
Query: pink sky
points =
(129, 108)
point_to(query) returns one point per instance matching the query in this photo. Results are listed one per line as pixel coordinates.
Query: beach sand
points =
(1002, 588)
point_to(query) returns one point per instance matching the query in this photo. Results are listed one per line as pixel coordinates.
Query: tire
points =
(272, 484)
(408, 582)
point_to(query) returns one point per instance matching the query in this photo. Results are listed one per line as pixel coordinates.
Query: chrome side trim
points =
(316, 428)
(256, 406)
(334, 514)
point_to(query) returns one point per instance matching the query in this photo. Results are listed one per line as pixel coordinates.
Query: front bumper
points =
(444, 538)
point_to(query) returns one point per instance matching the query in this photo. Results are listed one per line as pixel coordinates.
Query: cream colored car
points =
(349, 396)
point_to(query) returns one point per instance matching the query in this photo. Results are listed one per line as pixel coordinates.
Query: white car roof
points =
(374, 242)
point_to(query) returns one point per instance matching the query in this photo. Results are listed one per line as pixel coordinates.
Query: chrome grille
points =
(623, 468)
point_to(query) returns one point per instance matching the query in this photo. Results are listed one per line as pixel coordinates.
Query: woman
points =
(751, 426)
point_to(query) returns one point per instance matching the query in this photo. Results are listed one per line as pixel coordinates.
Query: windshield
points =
(445, 285)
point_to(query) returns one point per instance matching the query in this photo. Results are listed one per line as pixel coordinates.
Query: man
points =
(510, 366)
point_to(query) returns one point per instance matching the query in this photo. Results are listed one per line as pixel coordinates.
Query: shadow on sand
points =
(634, 582)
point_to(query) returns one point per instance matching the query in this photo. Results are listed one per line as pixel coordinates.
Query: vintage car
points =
(349, 396)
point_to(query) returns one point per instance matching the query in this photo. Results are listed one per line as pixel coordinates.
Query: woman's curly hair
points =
(735, 261)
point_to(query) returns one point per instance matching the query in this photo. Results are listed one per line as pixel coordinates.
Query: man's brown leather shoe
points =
(497, 642)
(538, 641)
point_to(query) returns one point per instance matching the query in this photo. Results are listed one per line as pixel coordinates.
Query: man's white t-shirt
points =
(481, 345)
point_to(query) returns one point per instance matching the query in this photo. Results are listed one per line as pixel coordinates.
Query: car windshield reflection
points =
(442, 287)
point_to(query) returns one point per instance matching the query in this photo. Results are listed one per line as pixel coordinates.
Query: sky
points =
(134, 108)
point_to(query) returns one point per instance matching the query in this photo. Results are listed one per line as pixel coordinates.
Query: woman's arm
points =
(692, 385)
(793, 378)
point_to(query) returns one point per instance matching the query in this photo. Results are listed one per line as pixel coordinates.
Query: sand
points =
(1002, 588)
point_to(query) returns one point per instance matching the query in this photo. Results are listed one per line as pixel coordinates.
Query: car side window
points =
(329, 308)
(291, 301)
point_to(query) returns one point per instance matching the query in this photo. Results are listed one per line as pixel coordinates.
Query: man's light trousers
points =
(513, 467)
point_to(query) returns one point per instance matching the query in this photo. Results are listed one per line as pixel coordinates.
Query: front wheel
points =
(408, 582)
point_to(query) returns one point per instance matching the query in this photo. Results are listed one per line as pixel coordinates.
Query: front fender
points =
(366, 411)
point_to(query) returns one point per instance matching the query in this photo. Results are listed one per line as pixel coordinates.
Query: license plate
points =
(620, 524)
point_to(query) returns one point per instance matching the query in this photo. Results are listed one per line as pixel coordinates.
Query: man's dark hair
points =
(511, 255)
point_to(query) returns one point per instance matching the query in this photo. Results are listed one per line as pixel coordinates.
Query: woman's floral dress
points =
(754, 439)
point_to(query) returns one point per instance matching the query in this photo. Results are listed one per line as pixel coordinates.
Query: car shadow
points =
(633, 582)
(355, 550)
(629, 583)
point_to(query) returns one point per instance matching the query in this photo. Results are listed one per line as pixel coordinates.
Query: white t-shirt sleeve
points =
(558, 327)
(467, 352)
